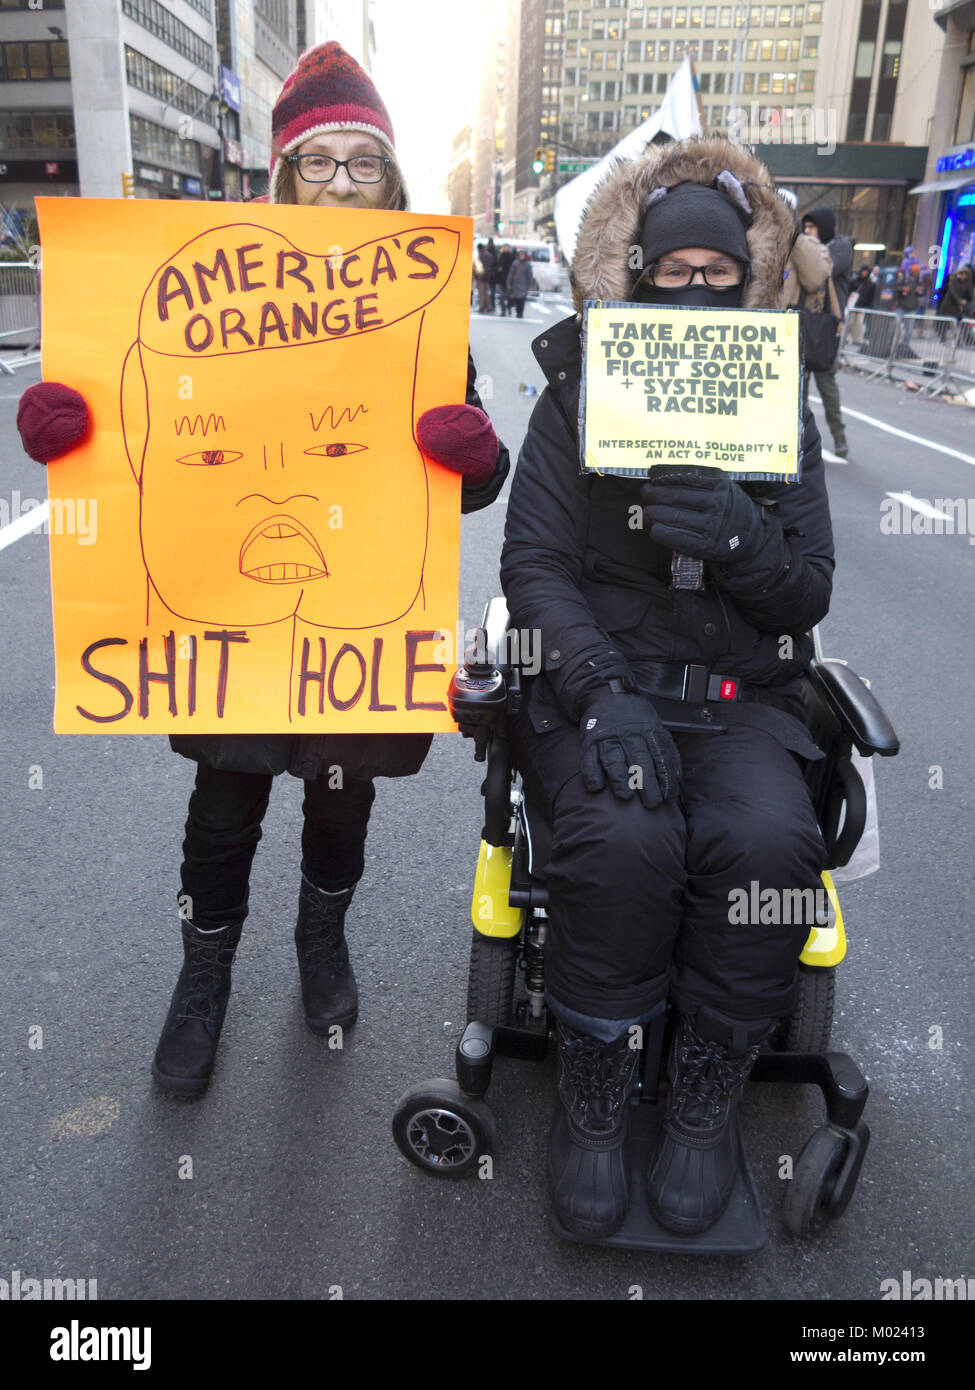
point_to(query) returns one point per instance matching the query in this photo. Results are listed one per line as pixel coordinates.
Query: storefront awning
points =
(943, 185)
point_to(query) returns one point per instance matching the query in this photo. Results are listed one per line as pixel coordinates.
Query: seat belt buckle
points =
(723, 688)
(695, 684)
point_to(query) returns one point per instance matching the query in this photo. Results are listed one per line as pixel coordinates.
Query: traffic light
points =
(544, 160)
(128, 185)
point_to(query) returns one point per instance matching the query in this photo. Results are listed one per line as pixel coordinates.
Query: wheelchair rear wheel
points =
(808, 1028)
(491, 982)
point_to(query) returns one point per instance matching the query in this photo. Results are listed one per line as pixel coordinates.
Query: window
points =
(710, 16)
(634, 49)
(680, 16)
(724, 18)
(782, 51)
(612, 61)
(666, 21)
(864, 60)
(807, 80)
(965, 124)
(814, 14)
(36, 130)
(663, 50)
(158, 20)
(162, 146)
(748, 82)
(707, 50)
(766, 49)
(596, 61)
(157, 81)
(598, 29)
(722, 50)
(763, 81)
(704, 82)
(651, 51)
(785, 14)
(609, 120)
(810, 47)
(891, 61)
(42, 61)
(751, 50)
(770, 15)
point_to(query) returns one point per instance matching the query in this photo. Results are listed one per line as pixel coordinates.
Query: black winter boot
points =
(588, 1160)
(328, 985)
(694, 1167)
(188, 1045)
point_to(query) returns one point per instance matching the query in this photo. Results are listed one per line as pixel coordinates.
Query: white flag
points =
(677, 116)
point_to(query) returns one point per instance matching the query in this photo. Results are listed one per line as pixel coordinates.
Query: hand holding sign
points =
(702, 513)
(275, 552)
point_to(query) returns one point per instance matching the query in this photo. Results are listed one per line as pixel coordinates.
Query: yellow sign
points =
(271, 551)
(716, 388)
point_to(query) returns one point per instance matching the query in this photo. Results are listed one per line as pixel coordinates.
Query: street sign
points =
(575, 166)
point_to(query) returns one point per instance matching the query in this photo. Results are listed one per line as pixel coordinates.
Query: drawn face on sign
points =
(321, 510)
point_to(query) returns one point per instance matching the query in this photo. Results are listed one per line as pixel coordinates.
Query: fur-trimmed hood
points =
(610, 232)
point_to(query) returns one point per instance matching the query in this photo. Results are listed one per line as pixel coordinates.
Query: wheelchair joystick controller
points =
(477, 695)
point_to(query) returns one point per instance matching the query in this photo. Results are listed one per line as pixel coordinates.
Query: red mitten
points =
(462, 438)
(52, 419)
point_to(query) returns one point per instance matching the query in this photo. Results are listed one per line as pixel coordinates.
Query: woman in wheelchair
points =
(657, 830)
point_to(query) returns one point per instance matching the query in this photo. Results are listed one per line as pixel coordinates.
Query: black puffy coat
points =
(574, 568)
(360, 756)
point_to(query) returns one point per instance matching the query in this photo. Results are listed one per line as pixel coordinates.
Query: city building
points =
(837, 96)
(349, 22)
(946, 198)
(107, 98)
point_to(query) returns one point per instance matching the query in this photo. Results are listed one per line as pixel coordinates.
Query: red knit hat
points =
(328, 90)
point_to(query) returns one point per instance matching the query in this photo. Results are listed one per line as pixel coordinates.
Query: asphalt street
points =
(296, 1185)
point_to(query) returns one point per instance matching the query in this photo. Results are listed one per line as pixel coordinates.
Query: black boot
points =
(328, 985)
(588, 1160)
(188, 1045)
(696, 1161)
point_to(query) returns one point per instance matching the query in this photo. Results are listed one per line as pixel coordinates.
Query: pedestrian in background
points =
(521, 282)
(505, 257)
(332, 147)
(484, 277)
(821, 223)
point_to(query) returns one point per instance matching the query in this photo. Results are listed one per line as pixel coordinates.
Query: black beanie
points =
(694, 215)
(825, 220)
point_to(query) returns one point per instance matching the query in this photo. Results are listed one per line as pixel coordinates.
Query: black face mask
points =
(692, 296)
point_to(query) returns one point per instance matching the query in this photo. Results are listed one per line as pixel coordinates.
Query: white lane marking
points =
(833, 458)
(566, 308)
(23, 525)
(919, 505)
(902, 434)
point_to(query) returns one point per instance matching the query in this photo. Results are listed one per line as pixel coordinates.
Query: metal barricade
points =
(868, 336)
(898, 346)
(20, 312)
(963, 366)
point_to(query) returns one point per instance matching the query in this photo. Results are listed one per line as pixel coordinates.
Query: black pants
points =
(223, 828)
(646, 904)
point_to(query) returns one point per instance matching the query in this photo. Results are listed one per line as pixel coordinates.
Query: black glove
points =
(701, 512)
(622, 734)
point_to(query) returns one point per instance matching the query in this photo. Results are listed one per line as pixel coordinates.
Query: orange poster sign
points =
(266, 548)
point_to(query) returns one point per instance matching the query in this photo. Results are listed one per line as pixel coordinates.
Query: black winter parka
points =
(598, 589)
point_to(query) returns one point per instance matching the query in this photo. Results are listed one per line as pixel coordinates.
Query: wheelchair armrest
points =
(495, 625)
(856, 709)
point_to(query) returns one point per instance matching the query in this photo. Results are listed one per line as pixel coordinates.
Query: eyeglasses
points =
(322, 168)
(675, 275)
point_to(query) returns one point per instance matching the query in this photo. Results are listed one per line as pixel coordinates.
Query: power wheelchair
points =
(447, 1129)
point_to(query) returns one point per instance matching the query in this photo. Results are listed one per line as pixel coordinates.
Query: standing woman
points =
(332, 147)
(521, 281)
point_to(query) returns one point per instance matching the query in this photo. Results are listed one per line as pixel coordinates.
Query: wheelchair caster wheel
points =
(441, 1130)
(823, 1179)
